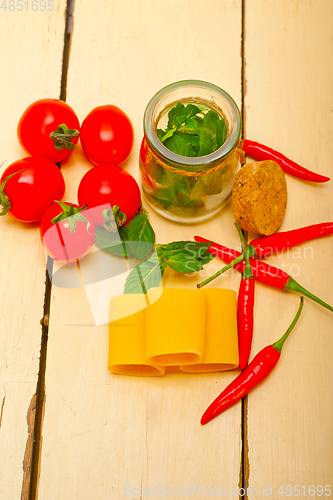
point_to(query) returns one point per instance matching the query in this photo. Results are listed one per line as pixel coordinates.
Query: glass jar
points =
(182, 188)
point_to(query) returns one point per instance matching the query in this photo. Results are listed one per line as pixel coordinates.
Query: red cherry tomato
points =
(59, 242)
(42, 118)
(107, 135)
(109, 184)
(29, 193)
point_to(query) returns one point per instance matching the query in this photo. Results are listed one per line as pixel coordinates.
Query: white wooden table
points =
(100, 436)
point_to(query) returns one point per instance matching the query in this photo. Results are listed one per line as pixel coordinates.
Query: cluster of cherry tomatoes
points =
(32, 188)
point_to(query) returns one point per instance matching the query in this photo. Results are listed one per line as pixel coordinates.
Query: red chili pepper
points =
(279, 242)
(245, 305)
(260, 152)
(262, 272)
(256, 371)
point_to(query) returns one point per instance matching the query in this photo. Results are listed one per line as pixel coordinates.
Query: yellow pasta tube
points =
(175, 327)
(127, 337)
(221, 348)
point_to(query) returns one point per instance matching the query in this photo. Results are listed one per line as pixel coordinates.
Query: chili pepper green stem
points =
(247, 271)
(221, 271)
(279, 343)
(293, 285)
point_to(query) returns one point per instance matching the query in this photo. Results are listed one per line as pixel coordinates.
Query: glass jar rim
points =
(176, 159)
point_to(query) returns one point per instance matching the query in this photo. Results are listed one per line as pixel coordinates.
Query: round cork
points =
(259, 197)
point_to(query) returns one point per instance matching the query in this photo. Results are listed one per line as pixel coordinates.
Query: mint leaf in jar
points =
(193, 130)
(183, 144)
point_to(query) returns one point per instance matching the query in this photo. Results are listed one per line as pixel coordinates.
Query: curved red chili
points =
(279, 242)
(255, 372)
(261, 152)
(262, 272)
(245, 305)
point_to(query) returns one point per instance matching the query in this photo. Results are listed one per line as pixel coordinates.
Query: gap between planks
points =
(35, 412)
(244, 471)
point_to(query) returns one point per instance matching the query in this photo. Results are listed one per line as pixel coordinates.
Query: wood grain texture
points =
(29, 41)
(103, 432)
(288, 105)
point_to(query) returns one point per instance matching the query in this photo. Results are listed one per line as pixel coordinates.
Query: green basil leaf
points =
(113, 243)
(141, 236)
(147, 274)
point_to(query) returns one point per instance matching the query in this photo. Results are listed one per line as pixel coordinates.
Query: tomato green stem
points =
(72, 214)
(279, 343)
(4, 200)
(63, 136)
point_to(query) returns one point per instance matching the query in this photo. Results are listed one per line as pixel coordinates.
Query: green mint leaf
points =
(221, 133)
(160, 133)
(176, 191)
(186, 256)
(184, 121)
(178, 116)
(177, 110)
(141, 236)
(216, 128)
(164, 197)
(143, 276)
(206, 258)
(205, 145)
(192, 126)
(180, 145)
(191, 110)
(208, 185)
(182, 261)
(169, 133)
(194, 248)
(113, 243)
(156, 171)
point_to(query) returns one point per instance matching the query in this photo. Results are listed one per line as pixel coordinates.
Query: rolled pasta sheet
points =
(221, 347)
(127, 337)
(175, 327)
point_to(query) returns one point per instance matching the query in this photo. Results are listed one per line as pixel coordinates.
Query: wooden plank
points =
(288, 106)
(31, 59)
(103, 432)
